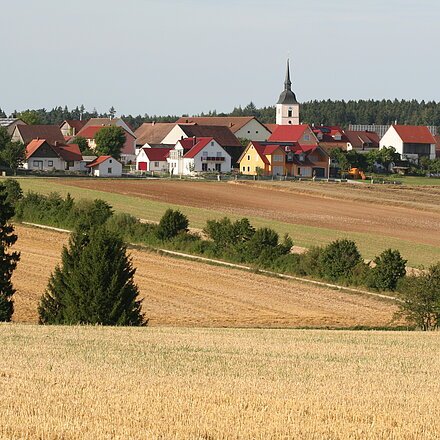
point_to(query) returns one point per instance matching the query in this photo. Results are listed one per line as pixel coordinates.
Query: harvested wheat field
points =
(411, 215)
(179, 292)
(173, 383)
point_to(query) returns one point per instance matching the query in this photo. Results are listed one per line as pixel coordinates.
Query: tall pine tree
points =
(8, 260)
(94, 284)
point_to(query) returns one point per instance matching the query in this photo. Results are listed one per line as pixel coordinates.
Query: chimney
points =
(153, 123)
(194, 140)
(231, 125)
(187, 121)
(56, 144)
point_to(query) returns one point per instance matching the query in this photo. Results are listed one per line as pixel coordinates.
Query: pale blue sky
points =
(189, 56)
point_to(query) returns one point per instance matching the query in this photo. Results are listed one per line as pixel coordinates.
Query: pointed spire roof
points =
(287, 96)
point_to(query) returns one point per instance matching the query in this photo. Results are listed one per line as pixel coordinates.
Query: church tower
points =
(287, 106)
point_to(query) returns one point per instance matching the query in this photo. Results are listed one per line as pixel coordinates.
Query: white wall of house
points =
(50, 164)
(204, 161)
(175, 135)
(253, 131)
(392, 139)
(109, 168)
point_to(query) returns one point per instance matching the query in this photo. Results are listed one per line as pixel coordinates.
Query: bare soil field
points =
(179, 292)
(411, 214)
(175, 383)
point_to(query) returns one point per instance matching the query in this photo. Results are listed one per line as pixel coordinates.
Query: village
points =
(241, 145)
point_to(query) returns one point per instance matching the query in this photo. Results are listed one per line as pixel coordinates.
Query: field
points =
(375, 216)
(179, 292)
(167, 383)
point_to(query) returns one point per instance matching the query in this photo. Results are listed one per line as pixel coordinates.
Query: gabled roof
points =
(156, 154)
(74, 123)
(6, 122)
(358, 138)
(107, 122)
(51, 133)
(223, 135)
(414, 134)
(69, 153)
(200, 144)
(288, 133)
(90, 131)
(98, 161)
(234, 123)
(328, 133)
(153, 132)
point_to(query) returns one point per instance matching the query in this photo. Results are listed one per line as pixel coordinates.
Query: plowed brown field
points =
(178, 292)
(411, 215)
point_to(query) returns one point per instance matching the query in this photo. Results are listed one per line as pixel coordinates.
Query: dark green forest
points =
(326, 112)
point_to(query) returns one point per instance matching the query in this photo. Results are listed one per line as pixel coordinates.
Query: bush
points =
(338, 260)
(87, 214)
(13, 191)
(94, 284)
(264, 248)
(171, 224)
(420, 298)
(309, 262)
(389, 268)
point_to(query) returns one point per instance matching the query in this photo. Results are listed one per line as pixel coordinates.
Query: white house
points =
(410, 141)
(42, 156)
(105, 166)
(153, 159)
(198, 155)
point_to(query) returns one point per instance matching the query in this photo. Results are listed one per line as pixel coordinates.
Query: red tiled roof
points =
(201, 143)
(414, 134)
(157, 154)
(288, 133)
(70, 153)
(89, 132)
(98, 160)
(33, 146)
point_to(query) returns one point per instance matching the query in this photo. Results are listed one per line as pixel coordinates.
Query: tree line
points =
(94, 282)
(326, 112)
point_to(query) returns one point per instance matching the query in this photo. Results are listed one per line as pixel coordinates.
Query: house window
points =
(249, 168)
(249, 131)
(109, 171)
(278, 158)
(50, 163)
(205, 154)
(204, 166)
(110, 161)
(156, 164)
(249, 157)
(212, 143)
(219, 154)
(256, 132)
(70, 165)
(244, 168)
(299, 171)
(306, 137)
(218, 167)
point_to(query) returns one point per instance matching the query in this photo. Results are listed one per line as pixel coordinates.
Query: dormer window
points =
(212, 143)
(337, 137)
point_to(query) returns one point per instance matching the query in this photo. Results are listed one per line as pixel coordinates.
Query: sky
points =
(191, 56)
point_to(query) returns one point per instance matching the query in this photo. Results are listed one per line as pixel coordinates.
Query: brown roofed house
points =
(71, 127)
(25, 133)
(152, 133)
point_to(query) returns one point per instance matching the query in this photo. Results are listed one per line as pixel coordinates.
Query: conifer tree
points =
(94, 283)
(8, 260)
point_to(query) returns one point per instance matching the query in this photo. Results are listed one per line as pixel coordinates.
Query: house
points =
(437, 147)
(284, 159)
(128, 152)
(44, 156)
(152, 133)
(153, 159)
(330, 137)
(71, 127)
(108, 122)
(26, 133)
(410, 141)
(300, 134)
(223, 135)
(198, 155)
(10, 124)
(243, 127)
(105, 166)
(362, 141)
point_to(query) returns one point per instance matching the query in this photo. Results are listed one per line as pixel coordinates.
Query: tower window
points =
(289, 113)
(290, 122)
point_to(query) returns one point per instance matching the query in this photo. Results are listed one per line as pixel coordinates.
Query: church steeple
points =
(287, 105)
(287, 82)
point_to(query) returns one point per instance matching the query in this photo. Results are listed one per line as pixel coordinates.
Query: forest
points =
(326, 112)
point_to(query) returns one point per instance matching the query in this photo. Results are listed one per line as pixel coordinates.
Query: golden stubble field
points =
(179, 292)
(173, 383)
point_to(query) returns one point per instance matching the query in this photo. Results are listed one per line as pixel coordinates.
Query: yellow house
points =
(267, 160)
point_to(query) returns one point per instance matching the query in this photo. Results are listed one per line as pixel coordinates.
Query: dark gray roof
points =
(287, 96)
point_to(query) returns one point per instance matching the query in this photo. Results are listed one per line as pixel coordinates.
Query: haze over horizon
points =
(193, 56)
